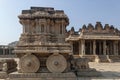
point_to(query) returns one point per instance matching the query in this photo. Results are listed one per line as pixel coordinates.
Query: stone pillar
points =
(48, 28)
(115, 47)
(71, 47)
(107, 49)
(83, 47)
(104, 47)
(63, 29)
(45, 27)
(60, 29)
(94, 47)
(28, 28)
(9, 51)
(53, 28)
(90, 48)
(23, 28)
(111, 48)
(56, 28)
(3, 50)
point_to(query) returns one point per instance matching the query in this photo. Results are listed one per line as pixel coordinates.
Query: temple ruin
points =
(96, 42)
(47, 51)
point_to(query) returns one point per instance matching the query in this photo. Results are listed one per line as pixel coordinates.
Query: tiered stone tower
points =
(42, 45)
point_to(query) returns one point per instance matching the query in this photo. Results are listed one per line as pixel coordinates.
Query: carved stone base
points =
(88, 73)
(102, 58)
(42, 76)
(3, 75)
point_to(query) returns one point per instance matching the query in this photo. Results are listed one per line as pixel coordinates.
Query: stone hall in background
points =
(47, 51)
(98, 43)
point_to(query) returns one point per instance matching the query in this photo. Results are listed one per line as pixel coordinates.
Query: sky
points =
(80, 12)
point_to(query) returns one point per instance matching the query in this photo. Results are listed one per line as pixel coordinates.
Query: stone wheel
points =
(29, 64)
(56, 63)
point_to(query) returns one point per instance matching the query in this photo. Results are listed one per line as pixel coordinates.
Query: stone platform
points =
(42, 76)
(3, 75)
(89, 73)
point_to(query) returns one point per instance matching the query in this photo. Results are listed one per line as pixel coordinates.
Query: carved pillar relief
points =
(25, 26)
(33, 26)
(57, 27)
(47, 25)
(62, 27)
(115, 47)
(37, 26)
(24, 29)
(42, 28)
(51, 27)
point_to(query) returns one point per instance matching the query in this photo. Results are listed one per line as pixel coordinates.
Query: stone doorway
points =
(76, 48)
(99, 47)
(88, 47)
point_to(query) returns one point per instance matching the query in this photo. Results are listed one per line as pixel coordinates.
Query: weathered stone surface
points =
(7, 66)
(81, 64)
(29, 63)
(102, 58)
(42, 76)
(44, 36)
(82, 69)
(89, 73)
(56, 63)
(3, 75)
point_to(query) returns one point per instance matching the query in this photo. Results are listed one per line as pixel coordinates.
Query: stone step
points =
(102, 58)
(42, 76)
(115, 58)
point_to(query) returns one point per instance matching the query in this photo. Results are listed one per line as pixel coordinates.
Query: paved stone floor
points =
(109, 71)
